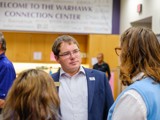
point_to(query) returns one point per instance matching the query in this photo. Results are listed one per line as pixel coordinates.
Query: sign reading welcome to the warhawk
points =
(75, 16)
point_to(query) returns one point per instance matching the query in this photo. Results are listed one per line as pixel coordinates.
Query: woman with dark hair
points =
(140, 70)
(33, 96)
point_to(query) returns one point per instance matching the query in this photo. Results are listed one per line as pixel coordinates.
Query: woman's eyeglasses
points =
(118, 50)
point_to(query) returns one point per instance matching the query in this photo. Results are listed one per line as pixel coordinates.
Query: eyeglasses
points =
(68, 53)
(118, 50)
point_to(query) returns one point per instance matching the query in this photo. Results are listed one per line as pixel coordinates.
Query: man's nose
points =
(72, 54)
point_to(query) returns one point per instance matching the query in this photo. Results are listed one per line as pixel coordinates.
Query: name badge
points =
(57, 84)
(92, 78)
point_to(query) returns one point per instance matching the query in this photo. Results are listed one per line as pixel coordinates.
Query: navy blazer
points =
(100, 96)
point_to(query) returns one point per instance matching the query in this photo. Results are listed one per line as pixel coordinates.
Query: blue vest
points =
(150, 92)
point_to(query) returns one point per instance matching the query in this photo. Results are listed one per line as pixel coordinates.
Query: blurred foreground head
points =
(33, 96)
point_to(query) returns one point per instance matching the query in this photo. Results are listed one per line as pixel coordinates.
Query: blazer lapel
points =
(55, 77)
(91, 85)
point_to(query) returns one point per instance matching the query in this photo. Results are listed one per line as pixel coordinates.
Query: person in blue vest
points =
(85, 94)
(140, 71)
(7, 72)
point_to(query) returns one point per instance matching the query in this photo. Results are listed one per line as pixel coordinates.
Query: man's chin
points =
(75, 68)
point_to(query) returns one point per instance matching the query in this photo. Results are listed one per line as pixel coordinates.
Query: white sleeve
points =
(130, 107)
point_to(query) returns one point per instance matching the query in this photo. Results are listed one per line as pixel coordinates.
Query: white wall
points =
(150, 8)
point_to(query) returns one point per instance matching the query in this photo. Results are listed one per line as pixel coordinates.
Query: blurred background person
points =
(140, 70)
(102, 66)
(33, 96)
(7, 72)
(85, 94)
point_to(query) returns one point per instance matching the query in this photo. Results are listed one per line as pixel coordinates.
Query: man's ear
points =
(56, 58)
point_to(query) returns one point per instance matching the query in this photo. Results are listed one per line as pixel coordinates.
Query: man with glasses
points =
(85, 94)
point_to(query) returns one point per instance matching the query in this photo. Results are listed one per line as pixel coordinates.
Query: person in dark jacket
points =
(85, 94)
(102, 66)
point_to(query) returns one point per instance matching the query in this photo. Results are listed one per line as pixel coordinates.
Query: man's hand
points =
(2, 103)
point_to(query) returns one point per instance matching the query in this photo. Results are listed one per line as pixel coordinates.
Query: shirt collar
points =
(138, 76)
(81, 70)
